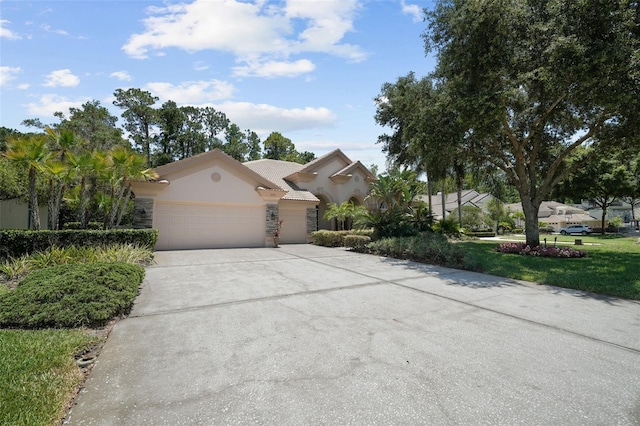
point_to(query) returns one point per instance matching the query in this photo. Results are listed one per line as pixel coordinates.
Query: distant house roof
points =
(468, 197)
(574, 218)
(550, 208)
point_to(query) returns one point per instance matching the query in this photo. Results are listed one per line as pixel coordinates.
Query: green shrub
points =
(95, 226)
(447, 226)
(366, 232)
(390, 223)
(15, 243)
(69, 296)
(356, 242)
(427, 248)
(329, 238)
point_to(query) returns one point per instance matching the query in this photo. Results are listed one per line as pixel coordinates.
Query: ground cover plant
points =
(13, 268)
(611, 267)
(542, 251)
(38, 374)
(75, 295)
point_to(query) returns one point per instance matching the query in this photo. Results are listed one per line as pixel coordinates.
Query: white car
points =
(575, 229)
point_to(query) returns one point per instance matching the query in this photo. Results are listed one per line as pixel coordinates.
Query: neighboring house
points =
(15, 214)
(468, 197)
(213, 201)
(618, 209)
(557, 215)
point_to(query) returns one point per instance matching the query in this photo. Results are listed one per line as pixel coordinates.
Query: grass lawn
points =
(38, 375)
(612, 266)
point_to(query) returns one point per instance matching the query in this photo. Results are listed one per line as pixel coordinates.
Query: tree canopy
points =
(530, 81)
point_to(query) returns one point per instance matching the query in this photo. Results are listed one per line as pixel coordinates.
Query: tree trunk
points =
(33, 200)
(532, 231)
(51, 205)
(123, 206)
(55, 220)
(460, 205)
(444, 199)
(83, 201)
(604, 215)
(430, 191)
(115, 204)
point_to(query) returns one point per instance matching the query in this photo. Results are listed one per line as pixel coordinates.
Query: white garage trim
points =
(202, 225)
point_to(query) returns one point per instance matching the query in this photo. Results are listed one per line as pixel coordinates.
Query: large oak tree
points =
(533, 80)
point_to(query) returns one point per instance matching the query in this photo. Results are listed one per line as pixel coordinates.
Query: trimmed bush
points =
(329, 238)
(357, 242)
(94, 226)
(15, 243)
(69, 296)
(480, 234)
(367, 232)
(427, 248)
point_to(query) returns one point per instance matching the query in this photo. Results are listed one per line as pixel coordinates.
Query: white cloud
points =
(62, 78)
(48, 29)
(23, 86)
(8, 73)
(274, 69)
(264, 119)
(7, 33)
(412, 9)
(200, 66)
(50, 103)
(255, 33)
(121, 75)
(191, 92)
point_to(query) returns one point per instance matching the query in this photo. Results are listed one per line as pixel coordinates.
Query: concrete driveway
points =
(311, 335)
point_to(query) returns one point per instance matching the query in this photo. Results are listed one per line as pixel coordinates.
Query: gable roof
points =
(165, 171)
(308, 171)
(277, 171)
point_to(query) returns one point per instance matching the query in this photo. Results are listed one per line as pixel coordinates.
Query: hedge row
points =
(15, 243)
(328, 238)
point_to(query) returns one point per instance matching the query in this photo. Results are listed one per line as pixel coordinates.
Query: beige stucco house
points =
(213, 201)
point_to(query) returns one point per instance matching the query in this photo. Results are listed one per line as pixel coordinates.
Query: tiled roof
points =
(275, 171)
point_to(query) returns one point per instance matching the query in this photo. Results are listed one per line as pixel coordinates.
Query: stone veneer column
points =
(143, 213)
(312, 222)
(272, 223)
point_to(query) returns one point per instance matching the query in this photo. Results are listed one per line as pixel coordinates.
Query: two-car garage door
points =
(195, 226)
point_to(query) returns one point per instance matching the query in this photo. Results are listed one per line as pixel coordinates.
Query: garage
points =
(201, 225)
(294, 224)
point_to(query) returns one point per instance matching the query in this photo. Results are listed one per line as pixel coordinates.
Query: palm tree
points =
(340, 212)
(126, 166)
(82, 166)
(31, 153)
(62, 142)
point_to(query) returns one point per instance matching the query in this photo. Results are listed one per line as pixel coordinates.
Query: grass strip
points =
(612, 266)
(38, 374)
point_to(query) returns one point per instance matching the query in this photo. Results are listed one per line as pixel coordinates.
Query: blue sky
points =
(308, 69)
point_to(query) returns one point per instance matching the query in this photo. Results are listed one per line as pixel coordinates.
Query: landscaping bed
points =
(48, 301)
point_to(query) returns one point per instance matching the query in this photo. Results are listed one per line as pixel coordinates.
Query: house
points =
(212, 201)
(15, 214)
(618, 208)
(557, 215)
(468, 197)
